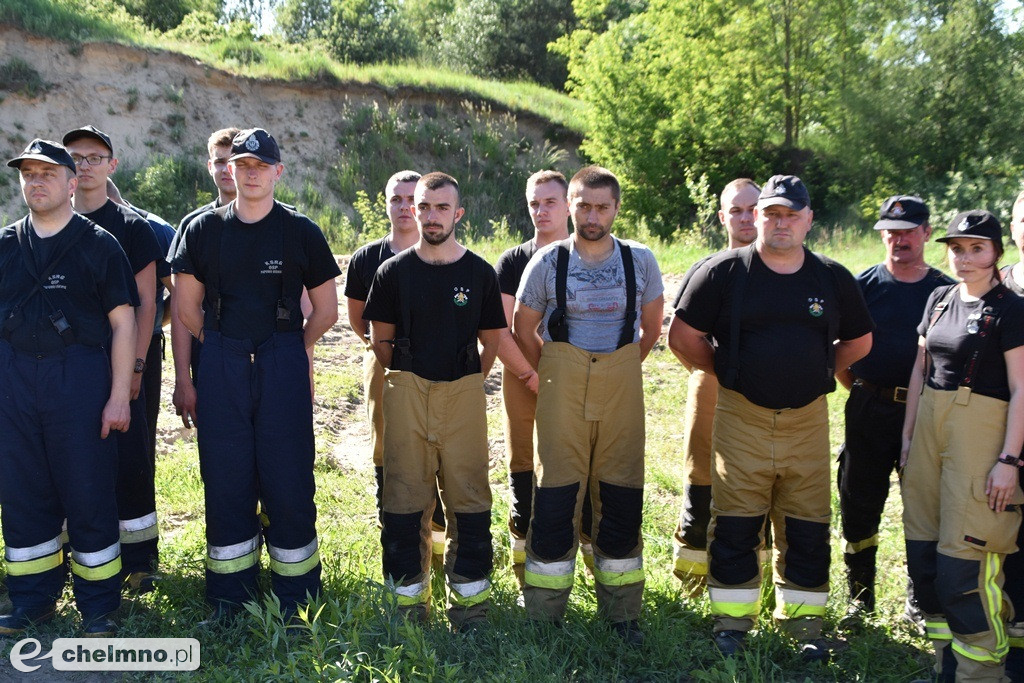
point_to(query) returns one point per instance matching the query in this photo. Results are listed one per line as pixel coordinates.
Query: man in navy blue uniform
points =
(68, 340)
(93, 153)
(239, 274)
(896, 292)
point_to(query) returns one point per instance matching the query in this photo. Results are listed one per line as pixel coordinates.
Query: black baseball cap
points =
(784, 190)
(255, 142)
(89, 131)
(902, 212)
(978, 224)
(45, 150)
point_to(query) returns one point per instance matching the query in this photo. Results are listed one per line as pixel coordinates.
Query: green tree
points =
(164, 15)
(358, 31)
(508, 39)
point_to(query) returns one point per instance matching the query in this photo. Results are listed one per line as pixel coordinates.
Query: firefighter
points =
(239, 274)
(68, 346)
(962, 442)
(588, 312)
(427, 308)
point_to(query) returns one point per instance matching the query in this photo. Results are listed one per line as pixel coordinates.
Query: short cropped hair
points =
(221, 138)
(737, 185)
(437, 180)
(541, 177)
(595, 177)
(403, 177)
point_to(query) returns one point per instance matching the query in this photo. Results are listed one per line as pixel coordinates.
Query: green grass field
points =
(354, 634)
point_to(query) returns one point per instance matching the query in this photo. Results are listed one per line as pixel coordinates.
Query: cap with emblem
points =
(902, 212)
(45, 150)
(977, 224)
(256, 143)
(89, 131)
(784, 190)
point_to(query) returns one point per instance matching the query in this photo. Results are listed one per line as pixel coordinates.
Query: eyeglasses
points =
(91, 160)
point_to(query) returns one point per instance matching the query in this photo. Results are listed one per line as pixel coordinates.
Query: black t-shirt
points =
(449, 304)
(783, 353)
(253, 266)
(511, 265)
(91, 279)
(184, 224)
(363, 266)
(951, 343)
(132, 231)
(896, 309)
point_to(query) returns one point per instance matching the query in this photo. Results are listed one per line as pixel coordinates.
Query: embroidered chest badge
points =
(817, 307)
(461, 297)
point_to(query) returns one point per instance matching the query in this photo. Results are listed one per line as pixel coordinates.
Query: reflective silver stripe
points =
(518, 544)
(437, 536)
(791, 596)
(230, 552)
(587, 549)
(295, 555)
(32, 552)
(468, 590)
(137, 524)
(740, 595)
(629, 564)
(692, 555)
(411, 591)
(551, 568)
(97, 558)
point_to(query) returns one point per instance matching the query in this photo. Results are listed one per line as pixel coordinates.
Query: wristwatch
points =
(1008, 459)
(140, 366)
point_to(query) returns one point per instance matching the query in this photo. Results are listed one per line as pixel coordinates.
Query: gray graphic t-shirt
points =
(595, 293)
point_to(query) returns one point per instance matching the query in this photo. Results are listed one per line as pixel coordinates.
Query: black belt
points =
(890, 394)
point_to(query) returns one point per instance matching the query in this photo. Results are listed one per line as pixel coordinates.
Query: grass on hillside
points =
(102, 20)
(353, 633)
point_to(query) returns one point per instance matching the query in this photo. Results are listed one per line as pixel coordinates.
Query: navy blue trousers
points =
(53, 464)
(136, 493)
(256, 442)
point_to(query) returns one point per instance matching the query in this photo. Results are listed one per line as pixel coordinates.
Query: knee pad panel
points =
(956, 583)
(807, 554)
(618, 532)
(474, 557)
(400, 539)
(696, 515)
(553, 510)
(732, 556)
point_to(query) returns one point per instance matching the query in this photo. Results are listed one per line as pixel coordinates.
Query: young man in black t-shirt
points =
(361, 269)
(239, 274)
(775, 363)
(547, 200)
(895, 291)
(427, 309)
(66, 294)
(93, 153)
(185, 347)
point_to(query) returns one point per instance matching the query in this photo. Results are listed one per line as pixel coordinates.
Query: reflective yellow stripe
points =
(795, 611)
(853, 548)
(518, 557)
(294, 568)
(738, 610)
(618, 578)
(36, 566)
(233, 565)
(690, 567)
(437, 542)
(976, 653)
(414, 594)
(1016, 641)
(791, 603)
(937, 630)
(557, 581)
(99, 572)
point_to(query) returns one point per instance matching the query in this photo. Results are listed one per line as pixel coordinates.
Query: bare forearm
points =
(145, 320)
(848, 353)
(488, 353)
(122, 360)
(1013, 442)
(181, 347)
(845, 377)
(317, 324)
(511, 356)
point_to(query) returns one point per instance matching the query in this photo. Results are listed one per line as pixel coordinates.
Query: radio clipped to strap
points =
(401, 358)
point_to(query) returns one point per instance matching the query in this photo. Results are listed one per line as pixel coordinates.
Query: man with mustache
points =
(896, 292)
(588, 312)
(428, 307)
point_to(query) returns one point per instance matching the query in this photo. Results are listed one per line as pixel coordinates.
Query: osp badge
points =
(461, 297)
(817, 307)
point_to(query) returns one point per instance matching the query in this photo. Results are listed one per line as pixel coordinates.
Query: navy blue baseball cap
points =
(978, 224)
(257, 143)
(902, 212)
(89, 131)
(784, 190)
(45, 150)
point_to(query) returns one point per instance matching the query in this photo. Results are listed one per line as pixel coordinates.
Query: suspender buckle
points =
(899, 395)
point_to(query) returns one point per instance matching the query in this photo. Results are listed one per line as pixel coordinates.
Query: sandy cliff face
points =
(154, 102)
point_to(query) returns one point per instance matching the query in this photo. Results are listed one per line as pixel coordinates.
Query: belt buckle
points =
(899, 394)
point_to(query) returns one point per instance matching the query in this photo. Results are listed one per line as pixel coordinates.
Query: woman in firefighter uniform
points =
(962, 437)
